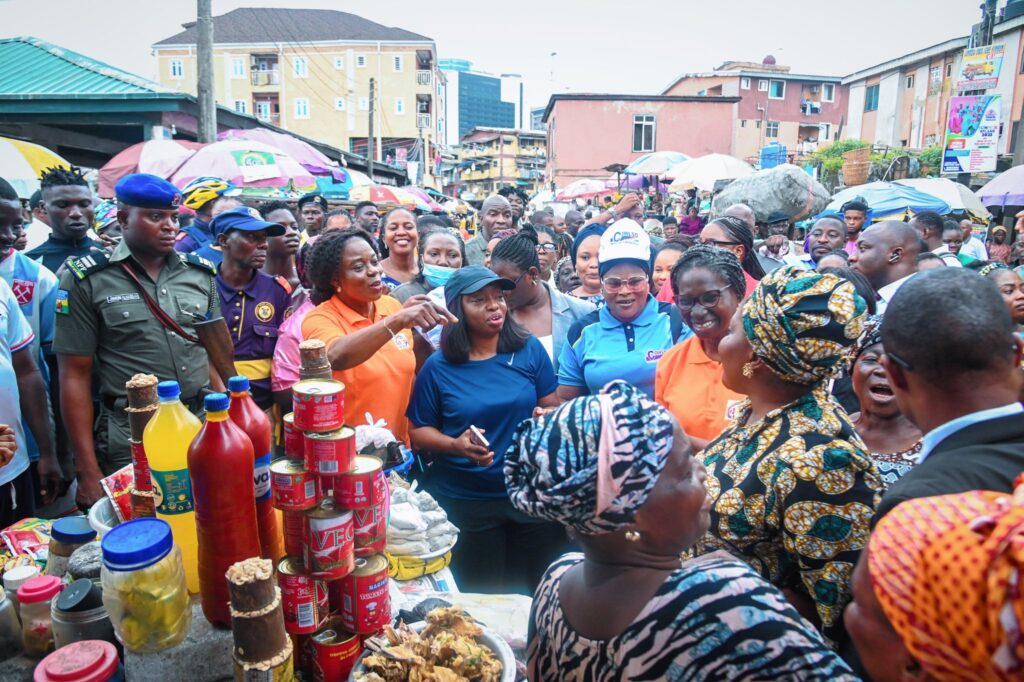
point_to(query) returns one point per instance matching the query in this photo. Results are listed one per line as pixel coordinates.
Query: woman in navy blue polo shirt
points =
(626, 338)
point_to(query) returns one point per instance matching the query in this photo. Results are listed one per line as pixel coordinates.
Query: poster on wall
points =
(979, 67)
(972, 134)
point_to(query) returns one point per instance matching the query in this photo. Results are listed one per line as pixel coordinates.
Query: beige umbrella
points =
(704, 171)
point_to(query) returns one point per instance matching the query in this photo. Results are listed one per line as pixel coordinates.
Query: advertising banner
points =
(972, 133)
(979, 67)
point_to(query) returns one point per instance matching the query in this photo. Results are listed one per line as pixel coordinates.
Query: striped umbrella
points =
(159, 157)
(383, 195)
(22, 162)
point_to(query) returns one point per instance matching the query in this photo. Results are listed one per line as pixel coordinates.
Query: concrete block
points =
(204, 656)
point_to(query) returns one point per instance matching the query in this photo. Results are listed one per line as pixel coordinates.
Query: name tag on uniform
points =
(731, 408)
(123, 298)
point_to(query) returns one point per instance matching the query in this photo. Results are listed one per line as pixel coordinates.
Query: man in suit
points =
(953, 362)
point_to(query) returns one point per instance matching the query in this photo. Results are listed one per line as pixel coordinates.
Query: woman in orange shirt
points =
(709, 286)
(371, 343)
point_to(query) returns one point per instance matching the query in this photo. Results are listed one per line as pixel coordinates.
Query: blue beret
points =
(246, 219)
(147, 191)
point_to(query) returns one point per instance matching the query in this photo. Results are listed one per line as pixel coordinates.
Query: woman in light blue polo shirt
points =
(626, 338)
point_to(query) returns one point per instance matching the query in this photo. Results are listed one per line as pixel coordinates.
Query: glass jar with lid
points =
(36, 626)
(10, 629)
(79, 614)
(88, 661)
(66, 535)
(15, 578)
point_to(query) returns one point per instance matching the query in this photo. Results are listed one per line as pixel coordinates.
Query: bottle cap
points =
(136, 544)
(168, 389)
(40, 588)
(238, 384)
(73, 530)
(215, 402)
(18, 576)
(90, 660)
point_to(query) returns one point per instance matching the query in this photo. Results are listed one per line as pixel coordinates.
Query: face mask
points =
(436, 275)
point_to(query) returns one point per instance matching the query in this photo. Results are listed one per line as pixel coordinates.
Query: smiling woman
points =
(401, 237)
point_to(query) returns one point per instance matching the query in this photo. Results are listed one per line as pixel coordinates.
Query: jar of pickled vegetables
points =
(144, 585)
(36, 626)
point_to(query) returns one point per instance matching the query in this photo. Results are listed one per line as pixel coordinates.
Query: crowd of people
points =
(711, 447)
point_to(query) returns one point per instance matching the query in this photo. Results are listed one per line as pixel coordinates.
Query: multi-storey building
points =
(309, 71)
(475, 99)
(492, 158)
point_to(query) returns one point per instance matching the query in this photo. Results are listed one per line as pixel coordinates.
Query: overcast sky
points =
(625, 46)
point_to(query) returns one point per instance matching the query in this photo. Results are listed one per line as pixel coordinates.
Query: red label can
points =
(365, 602)
(371, 528)
(318, 405)
(330, 541)
(362, 486)
(293, 487)
(293, 447)
(140, 468)
(330, 453)
(304, 600)
(334, 652)
(294, 528)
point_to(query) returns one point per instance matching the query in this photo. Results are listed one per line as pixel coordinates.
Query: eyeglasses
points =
(709, 299)
(613, 284)
(717, 242)
(550, 248)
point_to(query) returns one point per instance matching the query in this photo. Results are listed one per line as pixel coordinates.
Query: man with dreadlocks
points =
(517, 199)
(67, 199)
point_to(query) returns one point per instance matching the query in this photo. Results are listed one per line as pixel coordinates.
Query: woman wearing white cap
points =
(624, 339)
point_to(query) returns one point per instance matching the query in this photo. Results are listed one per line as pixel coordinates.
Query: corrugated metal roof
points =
(30, 67)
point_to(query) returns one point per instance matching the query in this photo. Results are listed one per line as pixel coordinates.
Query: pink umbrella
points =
(245, 164)
(417, 192)
(311, 158)
(159, 157)
(581, 189)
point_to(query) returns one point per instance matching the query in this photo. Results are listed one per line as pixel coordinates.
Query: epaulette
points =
(181, 235)
(284, 283)
(84, 266)
(200, 262)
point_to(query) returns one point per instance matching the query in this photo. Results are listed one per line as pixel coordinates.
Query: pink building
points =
(587, 132)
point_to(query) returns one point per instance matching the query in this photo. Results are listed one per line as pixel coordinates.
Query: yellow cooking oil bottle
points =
(166, 439)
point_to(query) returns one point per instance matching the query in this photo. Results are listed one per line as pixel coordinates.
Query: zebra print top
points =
(710, 620)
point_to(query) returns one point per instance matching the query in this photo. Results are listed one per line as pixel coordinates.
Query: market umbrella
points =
(655, 163)
(959, 197)
(628, 183)
(22, 162)
(703, 171)
(359, 178)
(387, 195)
(888, 200)
(581, 189)
(422, 194)
(311, 158)
(159, 157)
(1006, 189)
(250, 165)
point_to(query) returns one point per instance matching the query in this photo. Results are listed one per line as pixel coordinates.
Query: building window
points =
(238, 68)
(240, 106)
(828, 92)
(871, 98)
(339, 103)
(364, 103)
(762, 86)
(301, 107)
(702, 93)
(771, 129)
(743, 123)
(177, 68)
(300, 68)
(824, 132)
(910, 81)
(399, 105)
(643, 133)
(360, 60)
(757, 124)
(777, 90)
(744, 84)
(263, 111)
(396, 62)
(949, 70)
(339, 62)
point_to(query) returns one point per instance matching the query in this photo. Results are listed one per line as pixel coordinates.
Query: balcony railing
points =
(268, 118)
(424, 78)
(265, 78)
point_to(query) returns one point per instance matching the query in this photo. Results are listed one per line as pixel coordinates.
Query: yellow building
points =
(492, 158)
(308, 71)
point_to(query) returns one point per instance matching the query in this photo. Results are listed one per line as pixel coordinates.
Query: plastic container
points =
(10, 628)
(66, 535)
(144, 585)
(36, 627)
(102, 517)
(166, 439)
(78, 614)
(247, 415)
(89, 661)
(15, 578)
(220, 460)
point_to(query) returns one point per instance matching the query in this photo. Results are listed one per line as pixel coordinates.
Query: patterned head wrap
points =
(869, 336)
(989, 268)
(104, 214)
(591, 463)
(947, 572)
(799, 322)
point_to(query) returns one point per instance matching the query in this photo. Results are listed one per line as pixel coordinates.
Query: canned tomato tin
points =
(329, 453)
(303, 599)
(293, 447)
(365, 602)
(294, 488)
(294, 529)
(334, 652)
(318, 405)
(363, 485)
(330, 546)
(371, 528)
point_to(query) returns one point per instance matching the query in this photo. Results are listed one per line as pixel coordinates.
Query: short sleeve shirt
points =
(287, 362)
(381, 386)
(689, 384)
(15, 336)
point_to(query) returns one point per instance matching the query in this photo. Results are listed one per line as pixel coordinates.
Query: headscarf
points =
(991, 267)
(869, 336)
(947, 572)
(800, 321)
(104, 214)
(591, 230)
(591, 463)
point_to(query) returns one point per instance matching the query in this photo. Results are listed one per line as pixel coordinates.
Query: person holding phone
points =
(469, 398)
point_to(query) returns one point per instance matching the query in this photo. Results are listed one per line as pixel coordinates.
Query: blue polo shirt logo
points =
(653, 355)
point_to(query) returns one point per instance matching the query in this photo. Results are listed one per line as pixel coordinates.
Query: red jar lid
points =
(85, 661)
(40, 588)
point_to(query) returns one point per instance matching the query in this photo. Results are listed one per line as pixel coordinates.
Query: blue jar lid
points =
(136, 544)
(168, 389)
(238, 384)
(215, 402)
(72, 530)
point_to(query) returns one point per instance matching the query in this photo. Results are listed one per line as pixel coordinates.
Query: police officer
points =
(313, 211)
(131, 312)
(199, 195)
(254, 303)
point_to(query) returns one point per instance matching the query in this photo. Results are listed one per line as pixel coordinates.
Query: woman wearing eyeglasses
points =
(733, 234)
(547, 251)
(709, 287)
(626, 338)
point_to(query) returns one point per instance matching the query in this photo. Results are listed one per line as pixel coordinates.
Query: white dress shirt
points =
(886, 293)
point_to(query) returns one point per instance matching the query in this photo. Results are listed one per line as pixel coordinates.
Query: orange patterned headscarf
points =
(947, 572)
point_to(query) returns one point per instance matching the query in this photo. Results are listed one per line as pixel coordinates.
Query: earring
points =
(632, 536)
(748, 370)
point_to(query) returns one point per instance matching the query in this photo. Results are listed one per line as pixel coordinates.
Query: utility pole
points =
(371, 148)
(207, 104)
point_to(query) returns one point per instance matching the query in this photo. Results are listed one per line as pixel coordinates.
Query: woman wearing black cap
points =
(468, 399)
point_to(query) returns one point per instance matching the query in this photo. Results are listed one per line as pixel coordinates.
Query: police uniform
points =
(101, 312)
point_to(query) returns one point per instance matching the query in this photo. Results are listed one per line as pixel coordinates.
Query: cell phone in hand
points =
(478, 437)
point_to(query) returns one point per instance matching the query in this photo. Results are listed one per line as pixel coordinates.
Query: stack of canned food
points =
(334, 504)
